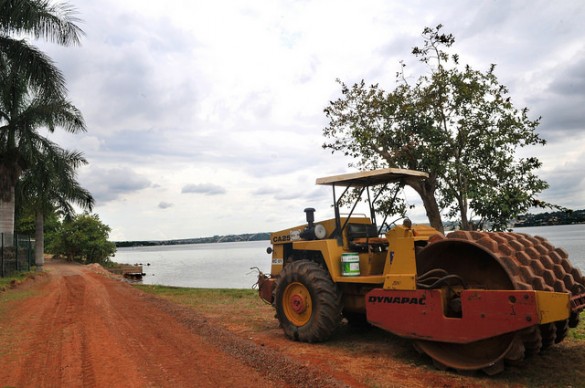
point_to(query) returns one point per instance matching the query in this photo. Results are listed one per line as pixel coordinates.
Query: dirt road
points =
(81, 328)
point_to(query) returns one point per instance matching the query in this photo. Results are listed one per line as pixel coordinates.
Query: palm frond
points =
(38, 18)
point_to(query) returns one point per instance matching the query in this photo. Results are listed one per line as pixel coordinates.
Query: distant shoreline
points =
(199, 240)
(535, 225)
(569, 217)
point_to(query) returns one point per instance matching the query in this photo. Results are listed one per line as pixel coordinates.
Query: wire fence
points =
(16, 254)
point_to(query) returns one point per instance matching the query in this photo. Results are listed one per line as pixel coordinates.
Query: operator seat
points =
(364, 238)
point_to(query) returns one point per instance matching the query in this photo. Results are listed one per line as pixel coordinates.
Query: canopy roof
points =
(371, 178)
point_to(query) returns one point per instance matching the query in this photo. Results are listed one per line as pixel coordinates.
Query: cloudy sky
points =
(205, 117)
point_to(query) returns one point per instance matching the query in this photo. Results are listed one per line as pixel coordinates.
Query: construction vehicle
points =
(469, 300)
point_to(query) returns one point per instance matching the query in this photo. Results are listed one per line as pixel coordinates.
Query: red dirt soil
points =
(79, 326)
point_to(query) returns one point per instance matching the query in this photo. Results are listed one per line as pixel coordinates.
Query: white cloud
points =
(203, 188)
(112, 184)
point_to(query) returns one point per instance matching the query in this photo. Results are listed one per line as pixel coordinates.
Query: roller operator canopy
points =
(371, 178)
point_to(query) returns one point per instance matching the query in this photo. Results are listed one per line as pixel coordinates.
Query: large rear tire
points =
(307, 302)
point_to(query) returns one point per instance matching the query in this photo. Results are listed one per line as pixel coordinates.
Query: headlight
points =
(320, 232)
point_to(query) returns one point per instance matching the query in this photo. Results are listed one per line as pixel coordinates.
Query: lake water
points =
(569, 237)
(227, 265)
(218, 265)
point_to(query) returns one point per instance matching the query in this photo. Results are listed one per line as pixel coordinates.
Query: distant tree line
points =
(552, 218)
(199, 240)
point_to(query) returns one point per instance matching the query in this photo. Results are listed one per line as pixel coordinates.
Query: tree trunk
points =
(433, 212)
(465, 225)
(7, 217)
(426, 189)
(39, 240)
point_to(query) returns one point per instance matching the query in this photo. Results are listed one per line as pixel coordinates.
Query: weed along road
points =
(76, 326)
(79, 326)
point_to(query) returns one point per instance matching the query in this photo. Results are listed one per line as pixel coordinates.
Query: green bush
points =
(84, 239)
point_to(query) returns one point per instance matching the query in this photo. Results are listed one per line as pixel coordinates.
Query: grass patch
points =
(241, 308)
(19, 277)
(15, 294)
(578, 333)
(218, 295)
(206, 300)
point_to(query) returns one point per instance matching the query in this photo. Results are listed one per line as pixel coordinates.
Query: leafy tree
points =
(49, 186)
(25, 221)
(84, 238)
(455, 123)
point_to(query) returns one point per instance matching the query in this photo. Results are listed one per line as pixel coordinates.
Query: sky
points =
(206, 117)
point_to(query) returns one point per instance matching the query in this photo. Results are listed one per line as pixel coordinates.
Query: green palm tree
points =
(50, 186)
(23, 111)
(37, 19)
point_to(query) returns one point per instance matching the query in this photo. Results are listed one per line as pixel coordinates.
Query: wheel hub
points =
(298, 304)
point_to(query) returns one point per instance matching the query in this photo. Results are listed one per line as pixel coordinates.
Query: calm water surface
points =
(569, 237)
(227, 265)
(220, 265)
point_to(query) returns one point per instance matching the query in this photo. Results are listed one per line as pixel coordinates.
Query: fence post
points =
(15, 245)
(2, 255)
(30, 254)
